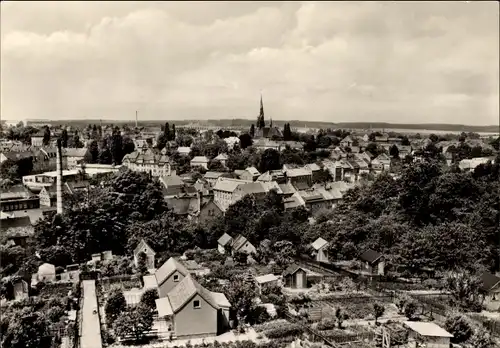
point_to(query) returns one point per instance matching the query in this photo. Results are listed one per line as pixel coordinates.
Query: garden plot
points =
(355, 308)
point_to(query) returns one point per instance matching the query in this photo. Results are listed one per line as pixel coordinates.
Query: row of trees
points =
(110, 149)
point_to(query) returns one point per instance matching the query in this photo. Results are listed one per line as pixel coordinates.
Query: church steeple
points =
(260, 120)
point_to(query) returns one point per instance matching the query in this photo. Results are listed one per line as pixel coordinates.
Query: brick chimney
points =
(59, 168)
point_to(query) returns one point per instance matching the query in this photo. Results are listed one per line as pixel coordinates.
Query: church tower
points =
(261, 123)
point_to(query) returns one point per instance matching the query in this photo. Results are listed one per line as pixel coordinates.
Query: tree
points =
(115, 305)
(373, 149)
(162, 141)
(128, 146)
(410, 310)
(141, 263)
(245, 140)
(95, 133)
(116, 147)
(75, 141)
(378, 311)
(105, 156)
(135, 322)
(482, 339)
(340, 315)
(93, 152)
(46, 136)
(216, 165)
(167, 131)
(64, 138)
(459, 327)
(252, 130)
(394, 151)
(269, 160)
(172, 134)
(149, 297)
(27, 329)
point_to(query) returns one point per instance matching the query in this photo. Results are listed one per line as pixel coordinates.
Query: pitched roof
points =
(238, 242)
(14, 222)
(47, 268)
(227, 184)
(287, 188)
(370, 256)
(169, 267)
(226, 238)
(213, 175)
(292, 269)
(312, 166)
(253, 171)
(184, 149)
(427, 329)
(266, 278)
(171, 180)
(319, 243)
(186, 290)
(252, 188)
(298, 172)
(142, 244)
(202, 159)
(489, 281)
(221, 157)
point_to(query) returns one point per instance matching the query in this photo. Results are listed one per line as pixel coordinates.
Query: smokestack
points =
(136, 119)
(59, 168)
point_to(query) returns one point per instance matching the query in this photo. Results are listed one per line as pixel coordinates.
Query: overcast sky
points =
(428, 62)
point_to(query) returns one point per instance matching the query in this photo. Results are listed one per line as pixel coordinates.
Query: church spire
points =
(260, 120)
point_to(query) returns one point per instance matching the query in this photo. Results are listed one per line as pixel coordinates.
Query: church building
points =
(261, 130)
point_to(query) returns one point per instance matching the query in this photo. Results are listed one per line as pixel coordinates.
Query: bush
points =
(284, 331)
(326, 324)
(257, 315)
(55, 314)
(115, 305)
(148, 298)
(459, 327)
(134, 322)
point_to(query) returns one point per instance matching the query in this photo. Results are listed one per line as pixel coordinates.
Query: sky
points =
(398, 62)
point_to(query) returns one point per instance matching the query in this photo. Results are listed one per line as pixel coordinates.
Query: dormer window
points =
(196, 304)
(176, 278)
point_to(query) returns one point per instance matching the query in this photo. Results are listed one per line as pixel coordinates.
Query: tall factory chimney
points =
(135, 118)
(59, 168)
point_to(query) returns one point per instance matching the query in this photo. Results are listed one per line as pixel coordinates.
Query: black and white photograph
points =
(249, 174)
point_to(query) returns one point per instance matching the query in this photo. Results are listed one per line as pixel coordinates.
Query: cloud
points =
(338, 61)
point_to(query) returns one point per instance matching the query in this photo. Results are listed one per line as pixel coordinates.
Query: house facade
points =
(146, 160)
(146, 249)
(320, 251)
(209, 211)
(200, 161)
(373, 262)
(194, 310)
(169, 275)
(75, 156)
(295, 277)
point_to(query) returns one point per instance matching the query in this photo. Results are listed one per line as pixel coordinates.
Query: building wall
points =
(37, 141)
(322, 255)
(209, 212)
(297, 280)
(248, 248)
(155, 169)
(169, 284)
(21, 204)
(196, 322)
(45, 198)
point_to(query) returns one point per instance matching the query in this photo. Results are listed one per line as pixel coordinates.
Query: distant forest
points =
(295, 124)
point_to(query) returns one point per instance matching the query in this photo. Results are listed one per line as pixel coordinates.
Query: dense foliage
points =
(428, 217)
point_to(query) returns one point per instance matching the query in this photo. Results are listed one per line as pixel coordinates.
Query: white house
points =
(200, 161)
(320, 252)
(225, 240)
(146, 249)
(46, 273)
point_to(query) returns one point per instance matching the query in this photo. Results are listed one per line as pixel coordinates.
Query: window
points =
(176, 278)
(196, 304)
